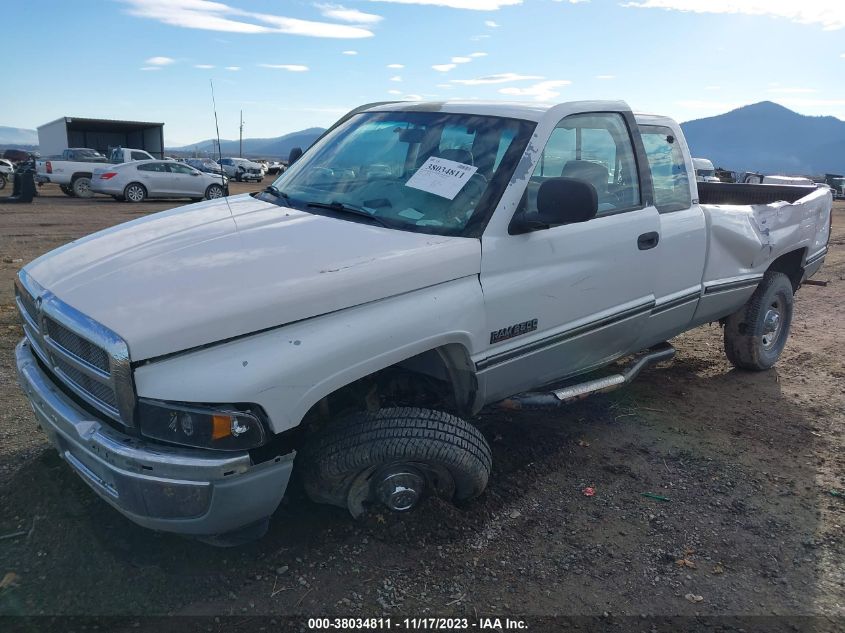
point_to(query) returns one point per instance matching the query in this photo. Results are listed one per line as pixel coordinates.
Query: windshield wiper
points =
(342, 207)
(273, 189)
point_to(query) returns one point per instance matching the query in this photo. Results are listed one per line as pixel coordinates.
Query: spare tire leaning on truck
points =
(395, 457)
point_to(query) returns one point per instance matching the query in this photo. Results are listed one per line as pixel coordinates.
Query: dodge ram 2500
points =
(418, 262)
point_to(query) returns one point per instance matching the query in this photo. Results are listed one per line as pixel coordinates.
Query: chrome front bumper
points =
(182, 490)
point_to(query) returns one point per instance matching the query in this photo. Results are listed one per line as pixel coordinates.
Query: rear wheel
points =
(2, 181)
(135, 192)
(81, 187)
(756, 334)
(66, 190)
(214, 191)
(395, 457)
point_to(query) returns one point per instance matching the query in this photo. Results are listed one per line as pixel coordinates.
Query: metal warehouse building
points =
(100, 134)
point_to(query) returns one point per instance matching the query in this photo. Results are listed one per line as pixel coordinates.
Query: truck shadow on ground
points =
(724, 454)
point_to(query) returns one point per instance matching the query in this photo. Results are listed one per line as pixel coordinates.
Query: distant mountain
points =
(17, 136)
(278, 147)
(769, 138)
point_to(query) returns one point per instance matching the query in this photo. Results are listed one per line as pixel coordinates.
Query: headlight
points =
(224, 428)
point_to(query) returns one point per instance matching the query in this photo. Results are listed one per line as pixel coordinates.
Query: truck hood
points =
(211, 271)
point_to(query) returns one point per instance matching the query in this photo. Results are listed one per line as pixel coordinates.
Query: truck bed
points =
(740, 193)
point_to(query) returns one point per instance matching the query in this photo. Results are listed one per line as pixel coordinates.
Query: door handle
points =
(648, 240)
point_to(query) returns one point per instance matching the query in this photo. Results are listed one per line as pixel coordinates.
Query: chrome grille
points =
(87, 358)
(76, 345)
(102, 392)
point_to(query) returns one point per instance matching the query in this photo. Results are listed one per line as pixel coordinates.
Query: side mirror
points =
(294, 155)
(566, 200)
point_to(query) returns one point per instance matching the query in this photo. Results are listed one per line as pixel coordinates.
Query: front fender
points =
(289, 369)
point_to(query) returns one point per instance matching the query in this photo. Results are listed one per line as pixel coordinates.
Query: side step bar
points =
(564, 395)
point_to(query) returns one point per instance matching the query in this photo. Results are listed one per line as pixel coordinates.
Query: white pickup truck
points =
(72, 170)
(420, 261)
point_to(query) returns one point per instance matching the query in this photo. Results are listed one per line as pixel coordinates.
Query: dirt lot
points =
(746, 461)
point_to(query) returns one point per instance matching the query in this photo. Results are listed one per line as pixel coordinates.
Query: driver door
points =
(573, 297)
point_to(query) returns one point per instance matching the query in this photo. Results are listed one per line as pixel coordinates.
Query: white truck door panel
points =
(588, 286)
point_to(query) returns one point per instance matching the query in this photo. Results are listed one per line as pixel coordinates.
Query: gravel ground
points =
(746, 462)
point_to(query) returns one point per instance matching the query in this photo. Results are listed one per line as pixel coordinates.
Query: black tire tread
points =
(356, 442)
(743, 347)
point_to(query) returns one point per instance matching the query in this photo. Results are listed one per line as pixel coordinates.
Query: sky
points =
(293, 64)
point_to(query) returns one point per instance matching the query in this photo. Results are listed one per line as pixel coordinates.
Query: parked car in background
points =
(138, 180)
(7, 170)
(204, 164)
(72, 170)
(18, 155)
(704, 170)
(242, 169)
(276, 167)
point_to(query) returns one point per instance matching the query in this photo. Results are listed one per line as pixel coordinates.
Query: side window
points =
(157, 167)
(668, 169)
(180, 169)
(596, 148)
(139, 156)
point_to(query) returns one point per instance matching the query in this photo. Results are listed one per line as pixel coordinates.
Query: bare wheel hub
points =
(400, 489)
(771, 325)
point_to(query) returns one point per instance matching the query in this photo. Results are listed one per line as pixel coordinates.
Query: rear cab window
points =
(668, 169)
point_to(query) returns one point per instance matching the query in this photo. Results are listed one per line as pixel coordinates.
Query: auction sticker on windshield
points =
(444, 178)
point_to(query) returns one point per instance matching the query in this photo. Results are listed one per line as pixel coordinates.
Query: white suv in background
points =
(241, 169)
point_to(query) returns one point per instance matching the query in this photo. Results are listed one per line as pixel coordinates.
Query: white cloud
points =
(217, 16)
(412, 97)
(478, 38)
(473, 5)
(712, 87)
(294, 68)
(542, 91)
(204, 66)
(830, 14)
(159, 61)
(500, 78)
(448, 86)
(793, 91)
(396, 65)
(605, 77)
(233, 68)
(443, 68)
(478, 54)
(349, 53)
(461, 60)
(492, 24)
(394, 92)
(396, 78)
(353, 16)
(151, 68)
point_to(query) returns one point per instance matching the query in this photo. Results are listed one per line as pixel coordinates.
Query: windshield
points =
(427, 172)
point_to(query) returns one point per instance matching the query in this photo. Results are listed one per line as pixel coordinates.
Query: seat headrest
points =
(458, 155)
(593, 173)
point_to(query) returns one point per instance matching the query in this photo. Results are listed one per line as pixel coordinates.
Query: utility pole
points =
(241, 138)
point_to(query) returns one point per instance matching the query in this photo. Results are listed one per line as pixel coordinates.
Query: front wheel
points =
(756, 334)
(395, 457)
(2, 181)
(214, 191)
(135, 192)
